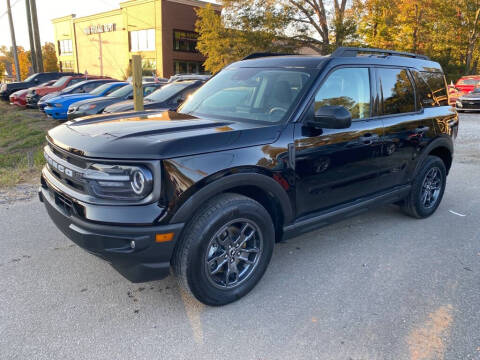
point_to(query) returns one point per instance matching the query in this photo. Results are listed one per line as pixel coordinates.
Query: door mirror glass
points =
(330, 117)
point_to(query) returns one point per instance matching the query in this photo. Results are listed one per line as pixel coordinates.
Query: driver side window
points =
(347, 87)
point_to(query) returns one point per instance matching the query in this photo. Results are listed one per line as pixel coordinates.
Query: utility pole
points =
(38, 45)
(137, 83)
(14, 42)
(33, 55)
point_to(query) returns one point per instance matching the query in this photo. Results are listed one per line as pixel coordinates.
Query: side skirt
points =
(326, 217)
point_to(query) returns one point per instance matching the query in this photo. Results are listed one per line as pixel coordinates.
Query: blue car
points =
(81, 86)
(57, 107)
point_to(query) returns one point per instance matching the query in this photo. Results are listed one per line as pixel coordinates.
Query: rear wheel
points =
(225, 249)
(427, 189)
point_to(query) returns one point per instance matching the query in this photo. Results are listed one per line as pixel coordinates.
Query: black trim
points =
(317, 220)
(265, 183)
(354, 51)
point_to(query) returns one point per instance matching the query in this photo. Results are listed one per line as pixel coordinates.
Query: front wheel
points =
(427, 189)
(225, 249)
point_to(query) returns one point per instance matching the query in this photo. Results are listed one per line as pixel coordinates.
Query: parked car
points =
(453, 94)
(469, 102)
(78, 88)
(19, 97)
(58, 106)
(33, 80)
(97, 105)
(268, 149)
(149, 79)
(168, 97)
(466, 84)
(35, 94)
(179, 77)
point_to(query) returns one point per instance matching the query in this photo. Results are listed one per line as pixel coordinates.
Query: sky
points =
(47, 10)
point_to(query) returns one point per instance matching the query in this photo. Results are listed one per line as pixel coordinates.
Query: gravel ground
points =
(377, 286)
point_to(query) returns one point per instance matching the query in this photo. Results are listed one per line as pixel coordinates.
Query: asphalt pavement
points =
(376, 286)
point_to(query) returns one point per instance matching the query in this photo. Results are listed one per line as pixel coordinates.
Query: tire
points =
(205, 246)
(416, 204)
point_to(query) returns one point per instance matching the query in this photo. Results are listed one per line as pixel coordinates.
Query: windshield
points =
(30, 78)
(260, 94)
(122, 92)
(99, 90)
(167, 91)
(61, 81)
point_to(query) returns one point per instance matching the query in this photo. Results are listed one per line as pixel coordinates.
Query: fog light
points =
(132, 244)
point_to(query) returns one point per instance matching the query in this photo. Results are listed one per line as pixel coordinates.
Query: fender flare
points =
(263, 182)
(444, 141)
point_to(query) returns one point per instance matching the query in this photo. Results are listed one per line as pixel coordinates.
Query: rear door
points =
(408, 126)
(336, 166)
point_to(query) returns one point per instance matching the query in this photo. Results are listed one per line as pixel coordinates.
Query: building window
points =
(66, 66)
(142, 40)
(187, 67)
(185, 41)
(65, 47)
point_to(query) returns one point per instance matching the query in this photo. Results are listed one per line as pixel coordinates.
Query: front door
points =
(336, 166)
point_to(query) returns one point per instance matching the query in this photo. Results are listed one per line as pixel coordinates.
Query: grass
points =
(22, 137)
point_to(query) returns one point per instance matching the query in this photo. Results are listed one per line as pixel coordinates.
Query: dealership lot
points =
(376, 286)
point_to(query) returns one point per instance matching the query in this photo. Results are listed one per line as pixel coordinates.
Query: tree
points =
(310, 23)
(2, 71)
(50, 61)
(223, 45)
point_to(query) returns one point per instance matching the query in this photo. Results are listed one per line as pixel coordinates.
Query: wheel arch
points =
(441, 147)
(259, 187)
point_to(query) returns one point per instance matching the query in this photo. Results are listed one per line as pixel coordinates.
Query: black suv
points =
(269, 148)
(33, 80)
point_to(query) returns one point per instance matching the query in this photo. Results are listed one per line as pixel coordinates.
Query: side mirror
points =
(330, 117)
(36, 80)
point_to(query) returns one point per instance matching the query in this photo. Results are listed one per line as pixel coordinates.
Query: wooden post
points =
(14, 43)
(137, 82)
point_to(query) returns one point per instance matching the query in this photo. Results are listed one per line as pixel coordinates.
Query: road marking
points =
(455, 213)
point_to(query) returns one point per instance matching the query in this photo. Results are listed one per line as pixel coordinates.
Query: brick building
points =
(161, 31)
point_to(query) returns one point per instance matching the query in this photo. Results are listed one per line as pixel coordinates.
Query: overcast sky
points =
(47, 10)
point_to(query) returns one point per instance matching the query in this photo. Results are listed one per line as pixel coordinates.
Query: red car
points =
(19, 97)
(34, 94)
(466, 84)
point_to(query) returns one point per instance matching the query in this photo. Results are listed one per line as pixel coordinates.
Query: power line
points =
(6, 11)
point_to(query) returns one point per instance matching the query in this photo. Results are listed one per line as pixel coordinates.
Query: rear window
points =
(397, 91)
(438, 87)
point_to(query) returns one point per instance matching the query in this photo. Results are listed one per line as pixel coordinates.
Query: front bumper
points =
(32, 101)
(148, 260)
(56, 113)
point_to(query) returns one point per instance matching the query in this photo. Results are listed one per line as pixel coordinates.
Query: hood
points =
(120, 107)
(49, 96)
(127, 105)
(154, 135)
(70, 98)
(18, 85)
(105, 100)
(471, 96)
(42, 90)
(19, 92)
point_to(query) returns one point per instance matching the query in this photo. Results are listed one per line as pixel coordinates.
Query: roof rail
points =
(262, 54)
(354, 51)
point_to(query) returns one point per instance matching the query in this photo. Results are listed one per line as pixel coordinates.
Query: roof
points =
(317, 61)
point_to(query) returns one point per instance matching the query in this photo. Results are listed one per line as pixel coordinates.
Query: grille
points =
(66, 168)
(471, 104)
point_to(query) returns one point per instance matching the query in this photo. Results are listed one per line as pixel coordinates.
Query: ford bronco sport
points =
(269, 148)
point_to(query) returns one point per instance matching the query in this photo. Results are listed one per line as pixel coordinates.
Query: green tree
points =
(223, 44)
(50, 61)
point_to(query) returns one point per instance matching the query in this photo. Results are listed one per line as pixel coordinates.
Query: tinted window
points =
(436, 83)
(167, 91)
(397, 90)
(348, 87)
(89, 87)
(259, 94)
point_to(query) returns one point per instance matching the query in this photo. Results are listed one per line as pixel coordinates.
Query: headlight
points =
(119, 182)
(459, 103)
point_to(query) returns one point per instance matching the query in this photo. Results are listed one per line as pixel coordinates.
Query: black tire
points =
(415, 204)
(201, 241)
